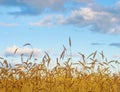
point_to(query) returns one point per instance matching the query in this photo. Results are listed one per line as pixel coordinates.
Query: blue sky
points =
(47, 25)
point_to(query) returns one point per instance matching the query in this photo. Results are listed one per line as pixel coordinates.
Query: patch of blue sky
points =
(106, 2)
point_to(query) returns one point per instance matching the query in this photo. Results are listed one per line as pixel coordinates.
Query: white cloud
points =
(85, 13)
(24, 50)
(8, 24)
(99, 20)
(103, 21)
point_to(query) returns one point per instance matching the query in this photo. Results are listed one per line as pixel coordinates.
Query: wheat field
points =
(80, 76)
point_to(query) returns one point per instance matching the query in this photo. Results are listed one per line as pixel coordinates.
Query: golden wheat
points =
(84, 75)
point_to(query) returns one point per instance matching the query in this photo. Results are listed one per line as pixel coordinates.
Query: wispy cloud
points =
(97, 44)
(115, 45)
(8, 24)
(46, 21)
(107, 44)
(24, 50)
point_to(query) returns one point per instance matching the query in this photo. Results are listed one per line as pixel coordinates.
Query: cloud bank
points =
(79, 13)
(97, 18)
(35, 7)
(24, 50)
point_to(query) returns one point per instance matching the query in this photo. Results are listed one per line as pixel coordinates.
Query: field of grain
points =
(78, 76)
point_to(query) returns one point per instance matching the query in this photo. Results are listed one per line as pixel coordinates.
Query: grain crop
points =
(88, 74)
